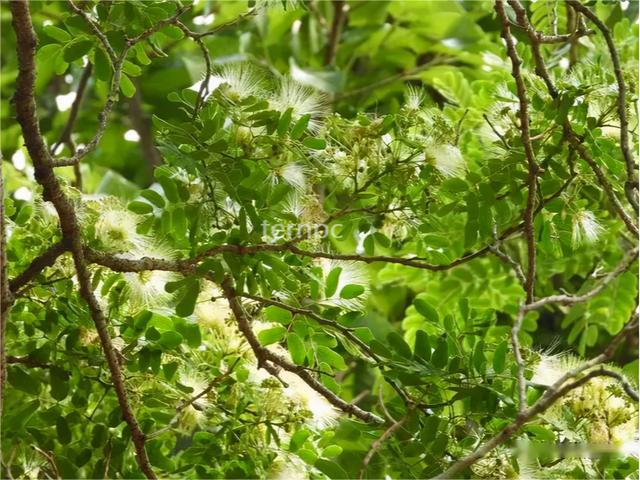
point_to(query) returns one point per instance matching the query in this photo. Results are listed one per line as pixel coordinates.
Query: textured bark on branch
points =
(52, 191)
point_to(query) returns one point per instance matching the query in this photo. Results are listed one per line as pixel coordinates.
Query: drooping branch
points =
(631, 186)
(273, 362)
(52, 191)
(569, 133)
(624, 265)
(548, 398)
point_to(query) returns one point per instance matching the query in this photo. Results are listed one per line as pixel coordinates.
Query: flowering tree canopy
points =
(319, 239)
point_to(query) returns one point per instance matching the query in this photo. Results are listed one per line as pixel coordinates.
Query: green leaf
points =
(102, 65)
(500, 356)
(23, 381)
(331, 469)
(426, 310)
(127, 87)
(56, 33)
(332, 358)
(154, 197)
(63, 431)
(187, 303)
(271, 335)
(440, 356)
(422, 348)
(170, 340)
(399, 345)
(314, 143)
(276, 314)
(332, 451)
(351, 291)
(300, 126)
(284, 122)
(170, 188)
(139, 207)
(296, 348)
(331, 283)
(479, 360)
(76, 49)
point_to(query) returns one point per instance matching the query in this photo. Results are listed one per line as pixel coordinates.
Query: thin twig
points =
(273, 362)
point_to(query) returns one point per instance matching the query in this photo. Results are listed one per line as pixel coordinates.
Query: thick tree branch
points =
(273, 362)
(6, 296)
(52, 191)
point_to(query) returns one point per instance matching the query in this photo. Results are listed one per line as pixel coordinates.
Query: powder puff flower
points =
(294, 174)
(447, 159)
(212, 311)
(550, 368)
(235, 80)
(288, 467)
(351, 273)
(586, 228)
(147, 288)
(323, 414)
(414, 97)
(193, 414)
(302, 100)
(117, 230)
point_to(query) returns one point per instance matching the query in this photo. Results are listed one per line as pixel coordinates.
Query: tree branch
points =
(273, 362)
(631, 185)
(43, 169)
(626, 262)
(548, 398)
(37, 265)
(340, 10)
(528, 149)
(65, 136)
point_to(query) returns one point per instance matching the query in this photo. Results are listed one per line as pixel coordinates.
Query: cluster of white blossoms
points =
(237, 81)
(604, 414)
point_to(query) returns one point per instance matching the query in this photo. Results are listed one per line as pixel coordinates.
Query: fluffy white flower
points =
(351, 273)
(117, 230)
(147, 288)
(301, 99)
(294, 174)
(323, 414)
(447, 159)
(414, 97)
(550, 368)
(586, 228)
(193, 415)
(212, 311)
(236, 80)
(288, 467)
